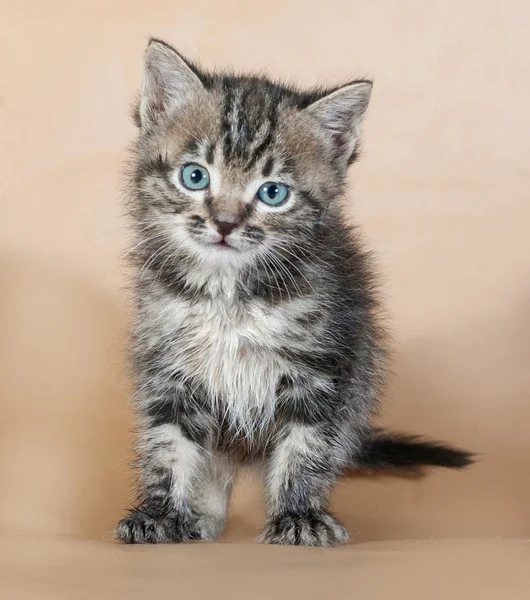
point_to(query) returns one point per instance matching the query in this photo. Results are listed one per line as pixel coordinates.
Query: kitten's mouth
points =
(223, 245)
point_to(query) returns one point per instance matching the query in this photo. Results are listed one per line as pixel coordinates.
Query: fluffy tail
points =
(387, 451)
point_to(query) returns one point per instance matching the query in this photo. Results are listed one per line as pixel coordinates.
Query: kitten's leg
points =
(300, 474)
(211, 495)
(171, 463)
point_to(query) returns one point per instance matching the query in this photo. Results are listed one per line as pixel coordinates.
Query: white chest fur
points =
(231, 349)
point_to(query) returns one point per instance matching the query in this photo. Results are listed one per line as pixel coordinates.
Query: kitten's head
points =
(230, 168)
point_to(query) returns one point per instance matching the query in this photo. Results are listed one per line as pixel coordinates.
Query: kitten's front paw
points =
(310, 529)
(141, 528)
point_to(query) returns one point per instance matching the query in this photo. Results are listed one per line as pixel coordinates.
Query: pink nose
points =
(225, 228)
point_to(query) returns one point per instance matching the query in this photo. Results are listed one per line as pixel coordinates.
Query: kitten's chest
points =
(232, 351)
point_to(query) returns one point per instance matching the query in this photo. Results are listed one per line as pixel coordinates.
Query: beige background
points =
(442, 192)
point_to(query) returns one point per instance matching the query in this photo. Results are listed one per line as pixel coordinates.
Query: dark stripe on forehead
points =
(249, 119)
(270, 118)
(242, 129)
(267, 167)
(210, 152)
(260, 150)
(227, 110)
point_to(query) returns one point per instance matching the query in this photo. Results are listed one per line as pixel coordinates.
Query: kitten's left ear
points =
(341, 113)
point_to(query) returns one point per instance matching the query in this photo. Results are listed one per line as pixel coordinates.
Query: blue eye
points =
(273, 193)
(195, 177)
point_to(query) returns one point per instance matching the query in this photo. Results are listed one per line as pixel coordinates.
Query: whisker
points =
(151, 259)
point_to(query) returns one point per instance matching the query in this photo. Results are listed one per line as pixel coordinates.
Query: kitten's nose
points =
(225, 227)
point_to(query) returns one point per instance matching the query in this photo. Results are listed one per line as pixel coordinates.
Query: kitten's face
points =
(231, 168)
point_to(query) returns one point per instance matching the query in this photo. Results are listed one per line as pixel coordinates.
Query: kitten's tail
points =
(398, 452)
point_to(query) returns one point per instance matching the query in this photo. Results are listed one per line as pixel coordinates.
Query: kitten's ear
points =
(169, 82)
(341, 113)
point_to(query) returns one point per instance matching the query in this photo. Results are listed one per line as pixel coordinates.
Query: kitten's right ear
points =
(169, 82)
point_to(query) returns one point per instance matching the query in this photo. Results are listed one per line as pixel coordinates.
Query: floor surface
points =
(55, 568)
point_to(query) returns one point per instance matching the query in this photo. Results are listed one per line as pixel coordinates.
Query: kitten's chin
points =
(231, 253)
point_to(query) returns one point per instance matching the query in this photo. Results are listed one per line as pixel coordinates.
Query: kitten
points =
(257, 339)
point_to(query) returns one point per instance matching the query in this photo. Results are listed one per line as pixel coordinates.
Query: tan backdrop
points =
(442, 194)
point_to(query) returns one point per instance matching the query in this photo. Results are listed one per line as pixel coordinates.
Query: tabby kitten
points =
(256, 339)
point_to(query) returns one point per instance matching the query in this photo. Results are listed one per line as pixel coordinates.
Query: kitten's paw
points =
(141, 528)
(310, 529)
(209, 527)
